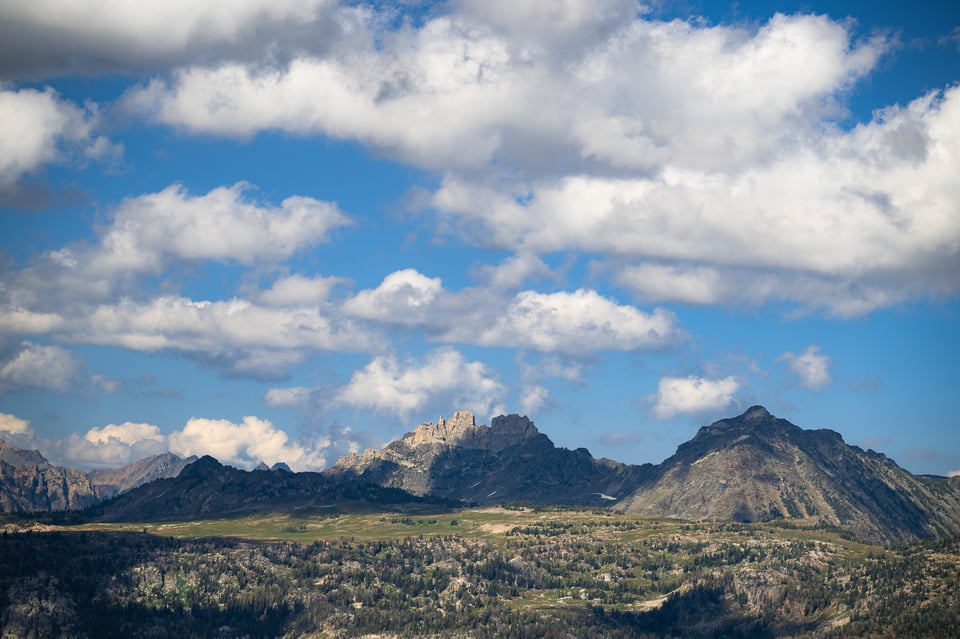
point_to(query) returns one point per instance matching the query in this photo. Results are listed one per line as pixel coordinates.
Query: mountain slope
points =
(109, 483)
(510, 460)
(758, 467)
(207, 489)
(28, 483)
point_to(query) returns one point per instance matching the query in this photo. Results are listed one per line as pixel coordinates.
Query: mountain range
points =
(30, 483)
(752, 467)
(747, 468)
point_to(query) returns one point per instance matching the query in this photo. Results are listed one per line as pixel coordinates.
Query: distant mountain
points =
(29, 483)
(758, 467)
(207, 489)
(508, 461)
(747, 468)
(109, 483)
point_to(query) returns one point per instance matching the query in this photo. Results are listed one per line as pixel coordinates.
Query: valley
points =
(516, 571)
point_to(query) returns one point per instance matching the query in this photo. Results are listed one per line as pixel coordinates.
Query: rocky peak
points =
(756, 413)
(458, 430)
(513, 429)
(21, 457)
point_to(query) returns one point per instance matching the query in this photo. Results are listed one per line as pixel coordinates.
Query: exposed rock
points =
(758, 467)
(28, 483)
(508, 461)
(109, 483)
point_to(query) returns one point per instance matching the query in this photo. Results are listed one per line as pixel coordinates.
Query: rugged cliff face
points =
(758, 467)
(510, 460)
(109, 483)
(747, 468)
(28, 482)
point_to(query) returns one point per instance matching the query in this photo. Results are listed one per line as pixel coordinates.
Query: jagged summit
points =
(510, 460)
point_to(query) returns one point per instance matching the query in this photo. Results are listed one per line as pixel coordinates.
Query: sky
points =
(287, 230)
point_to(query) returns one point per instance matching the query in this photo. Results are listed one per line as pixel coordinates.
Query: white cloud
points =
(13, 425)
(676, 395)
(401, 388)
(574, 323)
(236, 332)
(811, 367)
(297, 290)
(246, 444)
(465, 88)
(110, 446)
(117, 36)
(954, 473)
(126, 433)
(38, 128)
(221, 225)
(514, 271)
(291, 396)
(849, 221)
(534, 398)
(41, 367)
(404, 297)
(20, 321)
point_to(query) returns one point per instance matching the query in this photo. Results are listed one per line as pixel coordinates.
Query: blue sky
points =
(289, 230)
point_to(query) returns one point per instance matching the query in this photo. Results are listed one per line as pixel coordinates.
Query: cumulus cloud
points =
(38, 127)
(238, 334)
(811, 367)
(20, 321)
(115, 36)
(111, 446)
(576, 323)
(13, 425)
(677, 395)
(469, 86)
(442, 376)
(297, 290)
(222, 225)
(404, 297)
(245, 444)
(40, 366)
(126, 433)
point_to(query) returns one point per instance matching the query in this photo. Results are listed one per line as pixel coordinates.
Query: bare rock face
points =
(757, 467)
(510, 460)
(28, 483)
(109, 483)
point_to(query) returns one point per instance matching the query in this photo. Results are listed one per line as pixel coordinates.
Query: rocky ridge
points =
(758, 467)
(509, 460)
(752, 467)
(28, 482)
(112, 482)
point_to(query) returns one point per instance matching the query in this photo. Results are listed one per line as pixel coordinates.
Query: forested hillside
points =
(559, 574)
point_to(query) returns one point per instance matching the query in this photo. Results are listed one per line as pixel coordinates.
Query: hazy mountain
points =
(206, 489)
(28, 483)
(510, 460)
(109, 483)
(757, 467)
